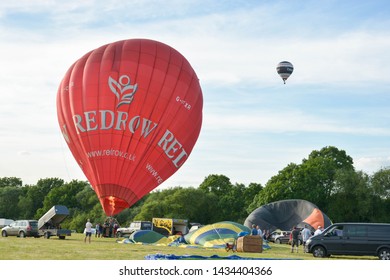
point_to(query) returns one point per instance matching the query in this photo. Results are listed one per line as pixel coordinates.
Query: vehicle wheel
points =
(319, 252)
(277, 241)
(22, 234)
(384, 254)
(61, 237)
(119, 234)
(4, 233)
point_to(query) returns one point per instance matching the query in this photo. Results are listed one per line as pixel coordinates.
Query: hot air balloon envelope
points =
(216, 235)
(285, 214)
(284, 70)
(130, 112)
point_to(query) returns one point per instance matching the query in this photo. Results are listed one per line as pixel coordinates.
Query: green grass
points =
(74, 248)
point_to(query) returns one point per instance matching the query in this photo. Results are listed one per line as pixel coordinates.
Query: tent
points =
(285, 214)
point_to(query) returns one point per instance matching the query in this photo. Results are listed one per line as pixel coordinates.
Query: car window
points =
(147, 226)
(378, 230)
(33, 224)
(356, 231)
(134, 225)
(336, 231)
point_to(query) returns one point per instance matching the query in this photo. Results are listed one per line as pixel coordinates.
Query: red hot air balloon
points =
(130, 112)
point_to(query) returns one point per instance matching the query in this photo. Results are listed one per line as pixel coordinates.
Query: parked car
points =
(279, 236)
(134, 226)
(282, 237)
(357, 239)
(21, 228)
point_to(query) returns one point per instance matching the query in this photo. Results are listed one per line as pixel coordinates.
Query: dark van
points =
(359, 239)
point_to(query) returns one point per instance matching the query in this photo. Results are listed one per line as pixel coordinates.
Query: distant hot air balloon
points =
(130, 112)
(284, 69)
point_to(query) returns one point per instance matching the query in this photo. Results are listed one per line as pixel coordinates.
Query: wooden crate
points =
(250, 243)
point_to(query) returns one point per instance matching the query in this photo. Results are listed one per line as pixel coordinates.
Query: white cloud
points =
(372, 164)
(338, 73)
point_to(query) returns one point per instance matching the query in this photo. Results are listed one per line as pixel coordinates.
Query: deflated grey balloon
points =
(285, 214)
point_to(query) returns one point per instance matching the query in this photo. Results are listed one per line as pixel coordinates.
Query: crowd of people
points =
(305, 233)
(256, 230)
(106, 229)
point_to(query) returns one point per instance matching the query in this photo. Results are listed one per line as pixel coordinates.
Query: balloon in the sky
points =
(130, 112)
(284, 69)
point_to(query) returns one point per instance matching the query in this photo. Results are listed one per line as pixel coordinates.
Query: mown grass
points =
(74, 248)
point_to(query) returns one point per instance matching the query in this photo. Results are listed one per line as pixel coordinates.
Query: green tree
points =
(312, 180)
(318, 174)
(65, 194)
(250, 193)
(34, 195)
(10, 182)
(380, 181)
(352, 198)
(217, 184)
(222, 189)
(178, 202)
(279, 187)
(231, 201)
(9, 197)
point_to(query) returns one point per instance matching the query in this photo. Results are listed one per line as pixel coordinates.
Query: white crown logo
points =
(123, 90)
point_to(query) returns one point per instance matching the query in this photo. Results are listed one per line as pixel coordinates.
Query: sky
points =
(253, 124)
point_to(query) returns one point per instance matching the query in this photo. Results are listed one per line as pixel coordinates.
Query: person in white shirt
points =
(306, 234)
(88, 231)
(259, 232)
(318, 231)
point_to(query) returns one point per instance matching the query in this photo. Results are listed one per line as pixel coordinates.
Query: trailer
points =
(50, 223)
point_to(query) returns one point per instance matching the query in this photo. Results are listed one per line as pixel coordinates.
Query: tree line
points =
(326, 178)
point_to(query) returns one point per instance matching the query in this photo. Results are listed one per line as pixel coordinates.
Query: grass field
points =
(74, 248)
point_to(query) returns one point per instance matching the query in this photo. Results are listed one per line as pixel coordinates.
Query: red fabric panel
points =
(315, 219)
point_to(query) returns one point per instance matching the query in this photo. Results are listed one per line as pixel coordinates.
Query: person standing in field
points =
(306, 234)
(295, 239)
(88, 231)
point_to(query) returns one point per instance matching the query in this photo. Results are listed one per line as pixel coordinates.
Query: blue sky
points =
(254, 125)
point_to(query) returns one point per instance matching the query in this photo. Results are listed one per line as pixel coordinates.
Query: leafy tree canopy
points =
(326, 178)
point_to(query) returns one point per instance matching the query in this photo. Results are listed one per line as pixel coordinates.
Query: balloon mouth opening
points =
(113, 205)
